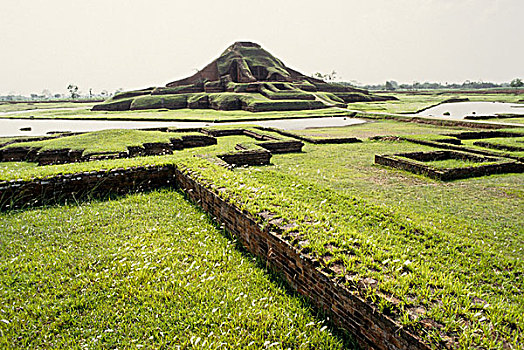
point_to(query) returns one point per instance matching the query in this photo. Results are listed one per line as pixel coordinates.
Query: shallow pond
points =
(459, 110)
(39, 127)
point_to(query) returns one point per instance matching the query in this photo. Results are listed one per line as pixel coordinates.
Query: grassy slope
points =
(148, 270)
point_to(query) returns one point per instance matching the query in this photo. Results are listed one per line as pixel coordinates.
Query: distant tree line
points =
(392, 85)
(73, 93)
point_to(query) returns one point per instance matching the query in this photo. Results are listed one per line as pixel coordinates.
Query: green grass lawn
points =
(145, 271)
(447, 252)
(378, 128)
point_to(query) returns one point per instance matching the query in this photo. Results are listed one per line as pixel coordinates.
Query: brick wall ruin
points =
(446, 174)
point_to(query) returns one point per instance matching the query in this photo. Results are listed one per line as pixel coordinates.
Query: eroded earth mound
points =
(244, 77)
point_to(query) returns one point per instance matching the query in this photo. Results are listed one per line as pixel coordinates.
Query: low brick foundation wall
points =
(282, 146)
(58, 156)
(65, 188)
(371, 328)
(447, 174)
(17, 154)
(498, 146)
(247, 157)
(189, 141)
(259, 137)
(460, 148)
(222, 132)
(470, 135)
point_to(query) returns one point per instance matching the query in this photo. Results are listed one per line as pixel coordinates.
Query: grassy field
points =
(442, 258)
(452, 249)
(375, 128)
(145, 271)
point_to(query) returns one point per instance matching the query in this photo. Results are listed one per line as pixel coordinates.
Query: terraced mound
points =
(244, 77)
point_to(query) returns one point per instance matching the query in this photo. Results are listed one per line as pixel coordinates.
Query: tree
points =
(73, 91)
(329, 77)
(517, 82)
(391, 85)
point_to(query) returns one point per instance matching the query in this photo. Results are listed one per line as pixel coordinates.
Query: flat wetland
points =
(443, 259)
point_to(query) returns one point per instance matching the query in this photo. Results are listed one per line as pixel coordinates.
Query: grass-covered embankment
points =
(147, 270)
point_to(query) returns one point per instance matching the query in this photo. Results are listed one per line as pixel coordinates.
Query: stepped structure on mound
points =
(244, 77)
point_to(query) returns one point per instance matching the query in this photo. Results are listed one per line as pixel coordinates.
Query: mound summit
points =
(246, 77)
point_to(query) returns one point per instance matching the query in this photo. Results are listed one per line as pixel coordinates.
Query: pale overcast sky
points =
(111, 44)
